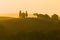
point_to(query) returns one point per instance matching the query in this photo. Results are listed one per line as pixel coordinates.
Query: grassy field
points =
(28, 29)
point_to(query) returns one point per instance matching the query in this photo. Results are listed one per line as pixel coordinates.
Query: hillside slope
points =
(29, 29)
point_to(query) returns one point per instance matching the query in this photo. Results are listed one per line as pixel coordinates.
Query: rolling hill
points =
(26, 29)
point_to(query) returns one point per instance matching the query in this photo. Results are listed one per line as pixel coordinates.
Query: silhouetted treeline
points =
(22, 14)
(54, 17)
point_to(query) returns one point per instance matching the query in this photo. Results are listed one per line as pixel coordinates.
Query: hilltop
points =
(28, 28)
(5, 18)
(26, 24)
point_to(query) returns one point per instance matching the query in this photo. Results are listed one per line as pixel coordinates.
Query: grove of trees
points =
(54, 17)
(22, 14)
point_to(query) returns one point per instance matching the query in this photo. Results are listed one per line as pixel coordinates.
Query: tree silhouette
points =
(36, 14)
(39, 15)
(20, 14)
(26, 14)
(23, 15)
(46, 16)
(54, 17)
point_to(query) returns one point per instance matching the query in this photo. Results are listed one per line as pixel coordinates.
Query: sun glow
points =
(14, 15)
(40, 6)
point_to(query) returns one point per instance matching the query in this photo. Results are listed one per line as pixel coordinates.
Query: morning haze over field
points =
(29, 19)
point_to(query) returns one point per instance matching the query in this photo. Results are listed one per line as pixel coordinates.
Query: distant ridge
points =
(5, 18)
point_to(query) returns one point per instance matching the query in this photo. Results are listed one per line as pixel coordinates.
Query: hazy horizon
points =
(14, 15)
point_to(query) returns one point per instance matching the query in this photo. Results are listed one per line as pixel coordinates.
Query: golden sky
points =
(41, 6)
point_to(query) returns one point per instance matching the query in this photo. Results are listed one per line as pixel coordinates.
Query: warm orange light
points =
(41, 6)
(14, 15)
